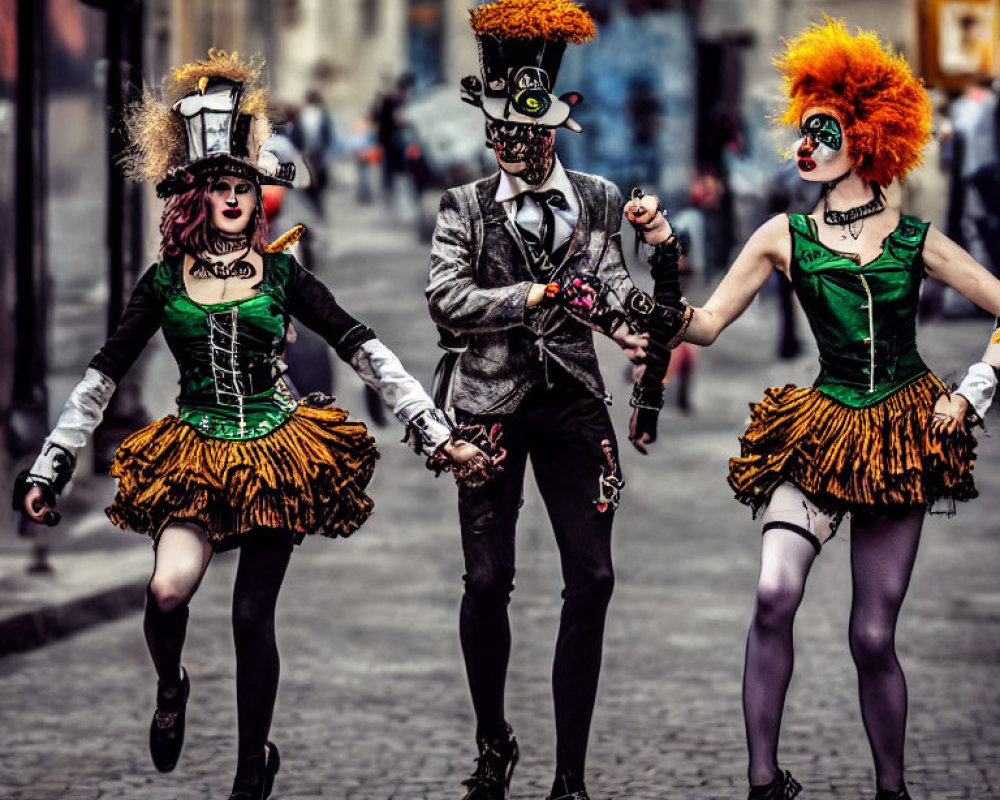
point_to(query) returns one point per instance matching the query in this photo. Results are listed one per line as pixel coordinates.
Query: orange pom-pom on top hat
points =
(554, 20)
(884, 110)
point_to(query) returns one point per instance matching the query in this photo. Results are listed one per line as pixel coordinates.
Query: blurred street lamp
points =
(123, 48)
(28, 419)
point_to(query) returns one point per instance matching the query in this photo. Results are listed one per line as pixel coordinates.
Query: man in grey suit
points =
(525, 265)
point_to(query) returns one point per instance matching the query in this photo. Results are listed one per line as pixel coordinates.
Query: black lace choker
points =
(843, 218)
(222, 245)
(206, 268)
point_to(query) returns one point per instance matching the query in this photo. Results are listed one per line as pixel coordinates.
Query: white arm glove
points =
(81, 415)
(978, 386)
(427, 427)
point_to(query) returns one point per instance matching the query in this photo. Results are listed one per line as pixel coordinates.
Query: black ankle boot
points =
(883, 794)
(255, 775)
(491, 778)
(565, 788)
(166, 731)
(783, 787)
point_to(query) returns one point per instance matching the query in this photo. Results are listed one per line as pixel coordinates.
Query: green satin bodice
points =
(228, 354)
(863, 316)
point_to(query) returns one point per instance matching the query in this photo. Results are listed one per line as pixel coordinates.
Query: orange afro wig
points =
(883, 108)
(555, 20)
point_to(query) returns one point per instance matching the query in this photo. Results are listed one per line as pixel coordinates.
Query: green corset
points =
(863, 316)
(228, 355)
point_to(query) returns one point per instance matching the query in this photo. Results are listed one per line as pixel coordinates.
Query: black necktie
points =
(547, 201)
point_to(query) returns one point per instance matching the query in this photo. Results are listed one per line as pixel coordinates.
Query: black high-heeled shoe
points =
(884, 794)
(255, 775)
(783, 787)
(166, 731)
(494, 768)
(565, 789)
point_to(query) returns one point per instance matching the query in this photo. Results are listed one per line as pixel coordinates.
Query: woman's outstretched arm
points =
(769, 248)
(36, 489)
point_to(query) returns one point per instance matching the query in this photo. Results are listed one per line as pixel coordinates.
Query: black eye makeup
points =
(242, 187)
(824, 129)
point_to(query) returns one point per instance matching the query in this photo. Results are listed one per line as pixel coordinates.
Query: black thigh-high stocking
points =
(263, 562)
(182, 556)
(786, 558)
(882, 557)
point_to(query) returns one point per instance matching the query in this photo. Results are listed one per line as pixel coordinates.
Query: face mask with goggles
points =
(519, 143)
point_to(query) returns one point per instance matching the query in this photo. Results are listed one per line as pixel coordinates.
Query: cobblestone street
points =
(373, 702)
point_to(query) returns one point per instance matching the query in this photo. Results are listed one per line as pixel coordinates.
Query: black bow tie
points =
(552, 198)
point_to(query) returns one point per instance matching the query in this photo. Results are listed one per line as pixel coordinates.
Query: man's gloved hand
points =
(646, 402)
(585, 298)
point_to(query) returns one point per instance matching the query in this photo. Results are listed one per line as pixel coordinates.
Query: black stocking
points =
(882, 556)
(165, 632)
(182, 556)
(263, 561)
(785, 561)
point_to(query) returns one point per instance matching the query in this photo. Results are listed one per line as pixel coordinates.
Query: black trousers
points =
(568, 436)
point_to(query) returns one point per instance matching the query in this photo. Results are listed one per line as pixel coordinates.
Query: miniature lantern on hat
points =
(215, 123)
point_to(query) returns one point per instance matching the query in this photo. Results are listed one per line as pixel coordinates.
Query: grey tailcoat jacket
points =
(479, 280)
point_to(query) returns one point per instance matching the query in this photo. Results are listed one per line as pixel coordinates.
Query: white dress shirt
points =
(529, 216)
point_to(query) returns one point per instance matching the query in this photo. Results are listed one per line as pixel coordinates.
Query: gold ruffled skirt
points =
(307, 476)
(873, 460)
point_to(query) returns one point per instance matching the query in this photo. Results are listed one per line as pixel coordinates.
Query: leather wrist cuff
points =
(647, 394)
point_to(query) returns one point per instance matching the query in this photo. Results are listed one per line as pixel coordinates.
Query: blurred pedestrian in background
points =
(390, 127)
(973, 146)
(314, 134)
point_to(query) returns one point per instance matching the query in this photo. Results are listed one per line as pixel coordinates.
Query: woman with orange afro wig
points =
(877, 438)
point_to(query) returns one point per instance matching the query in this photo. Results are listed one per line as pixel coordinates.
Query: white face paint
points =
(232, 200)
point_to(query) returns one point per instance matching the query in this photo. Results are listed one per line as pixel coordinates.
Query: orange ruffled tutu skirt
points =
(875, 460)
(307, 476)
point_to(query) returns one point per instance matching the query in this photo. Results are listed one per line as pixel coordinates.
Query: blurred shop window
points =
(960, 42)
(967, 45)
(425, 40)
